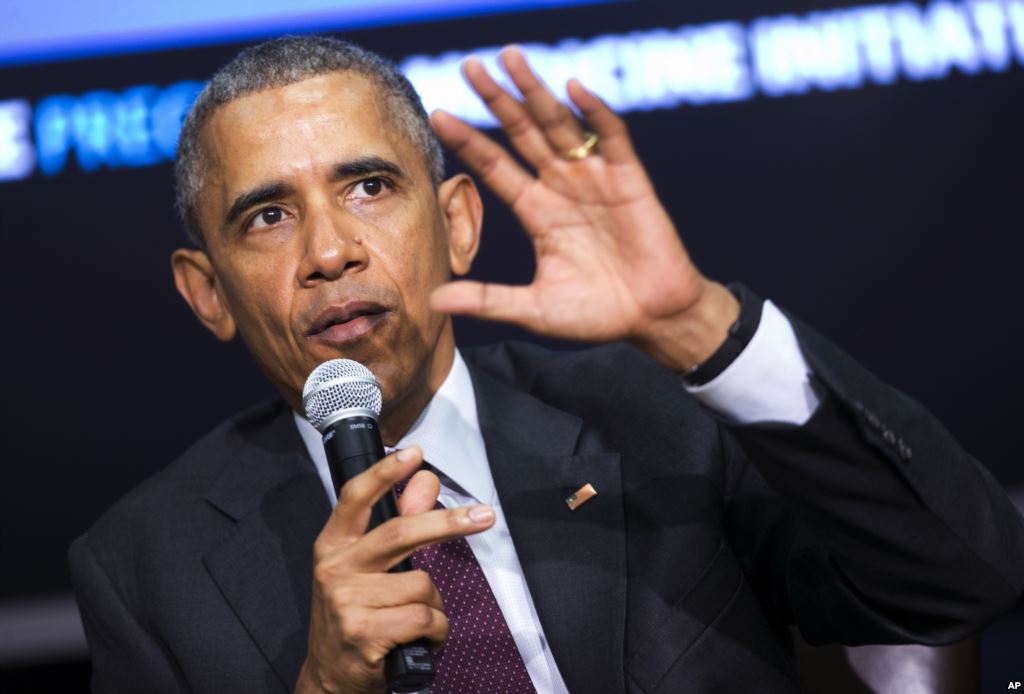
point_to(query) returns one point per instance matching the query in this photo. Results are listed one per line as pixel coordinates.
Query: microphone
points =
(342, 400)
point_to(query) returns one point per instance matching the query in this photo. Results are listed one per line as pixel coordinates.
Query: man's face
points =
(325, 234)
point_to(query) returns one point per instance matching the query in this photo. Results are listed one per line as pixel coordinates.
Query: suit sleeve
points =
(869, 523)
(126, 658)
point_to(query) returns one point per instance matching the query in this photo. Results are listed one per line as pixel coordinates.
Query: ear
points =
(464, 210)
(196, 281)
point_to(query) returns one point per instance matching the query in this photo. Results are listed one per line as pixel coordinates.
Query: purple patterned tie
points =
(479, 655)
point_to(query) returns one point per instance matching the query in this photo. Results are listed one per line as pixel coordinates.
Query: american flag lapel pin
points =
(580, 496)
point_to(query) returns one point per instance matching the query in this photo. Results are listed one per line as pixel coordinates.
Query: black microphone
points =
(343, 400)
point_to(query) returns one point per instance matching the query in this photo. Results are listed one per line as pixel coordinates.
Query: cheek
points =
(413, 254)
(261, 294)
(424, 267)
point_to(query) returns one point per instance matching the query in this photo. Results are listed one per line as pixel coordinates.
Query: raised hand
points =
(610, 264)
(360, 611)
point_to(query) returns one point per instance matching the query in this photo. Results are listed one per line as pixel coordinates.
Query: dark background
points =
(887, 217)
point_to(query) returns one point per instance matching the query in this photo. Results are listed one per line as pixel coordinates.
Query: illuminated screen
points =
(655, 68)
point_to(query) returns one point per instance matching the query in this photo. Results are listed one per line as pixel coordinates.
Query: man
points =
(768, 480)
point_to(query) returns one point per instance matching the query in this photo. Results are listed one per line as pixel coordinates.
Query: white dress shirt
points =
(768, 381)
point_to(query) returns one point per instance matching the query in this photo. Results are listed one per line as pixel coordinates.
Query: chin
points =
(394, 382)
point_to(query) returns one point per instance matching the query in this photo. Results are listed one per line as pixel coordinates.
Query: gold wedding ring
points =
(582, 151)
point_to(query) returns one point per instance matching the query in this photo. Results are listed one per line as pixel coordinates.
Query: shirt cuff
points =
(768, 382)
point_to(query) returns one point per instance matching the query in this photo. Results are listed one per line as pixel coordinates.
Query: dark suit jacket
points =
(867, 524)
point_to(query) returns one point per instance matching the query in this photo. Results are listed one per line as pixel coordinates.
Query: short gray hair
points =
(279, 63)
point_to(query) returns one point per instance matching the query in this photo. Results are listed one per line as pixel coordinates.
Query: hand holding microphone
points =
(370, 627)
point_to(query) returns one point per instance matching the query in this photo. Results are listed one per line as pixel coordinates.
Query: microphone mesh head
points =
(338, 385)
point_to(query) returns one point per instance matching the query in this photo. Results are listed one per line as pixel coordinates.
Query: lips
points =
(348, 322)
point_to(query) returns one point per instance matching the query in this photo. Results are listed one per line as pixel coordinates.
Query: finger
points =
(392, 626)
(615, 144)
(486, 301)
(378, 590)
(560, 125)
(495, 167)
(391, 542)
(515, 120)
(356, 498)
(420, 493)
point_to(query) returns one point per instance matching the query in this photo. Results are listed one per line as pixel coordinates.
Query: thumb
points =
(497, 302)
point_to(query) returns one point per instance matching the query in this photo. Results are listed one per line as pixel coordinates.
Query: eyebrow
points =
(360, 166)
(256, 196)
(363, 166)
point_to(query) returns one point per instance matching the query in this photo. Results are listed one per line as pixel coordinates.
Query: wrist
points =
(740, 334)
(307, 683)
(689, 338)
(304, 685)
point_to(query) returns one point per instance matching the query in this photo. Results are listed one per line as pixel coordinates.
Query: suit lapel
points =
(264, 569)
(574, 561)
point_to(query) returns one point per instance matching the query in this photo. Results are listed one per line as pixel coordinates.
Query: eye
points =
(267, 218)
(369, 188)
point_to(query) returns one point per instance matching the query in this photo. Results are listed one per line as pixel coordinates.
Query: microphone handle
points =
(352, 445)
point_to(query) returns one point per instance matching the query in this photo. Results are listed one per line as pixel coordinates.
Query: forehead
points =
(298, 130)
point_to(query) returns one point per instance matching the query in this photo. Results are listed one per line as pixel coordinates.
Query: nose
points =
(333, 247)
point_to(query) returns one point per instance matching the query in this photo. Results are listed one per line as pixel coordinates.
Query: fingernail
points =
(406, 454)
(481, 514)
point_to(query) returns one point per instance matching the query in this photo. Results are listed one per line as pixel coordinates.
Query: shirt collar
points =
(448, 432)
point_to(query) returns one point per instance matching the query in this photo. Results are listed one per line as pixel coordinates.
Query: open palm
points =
(609, 259)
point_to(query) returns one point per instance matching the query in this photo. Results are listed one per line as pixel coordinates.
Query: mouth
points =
(348, 322)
